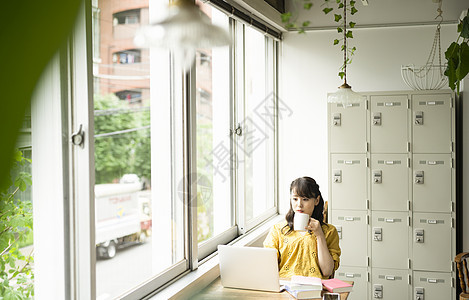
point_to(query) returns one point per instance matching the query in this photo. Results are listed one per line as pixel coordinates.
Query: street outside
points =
(130, 267)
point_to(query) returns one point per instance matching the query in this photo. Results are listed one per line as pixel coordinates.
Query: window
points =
(127, 56)
(127, 17)
(215, 159)
(258, 123)
(197, 147)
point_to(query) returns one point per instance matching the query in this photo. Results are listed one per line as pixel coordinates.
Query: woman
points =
(314, 253)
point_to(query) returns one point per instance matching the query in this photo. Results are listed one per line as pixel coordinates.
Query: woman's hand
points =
(326, 263)
(315, 227)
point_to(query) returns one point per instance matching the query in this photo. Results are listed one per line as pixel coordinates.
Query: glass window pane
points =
(127, 110)
(258, 145)
(214, 151)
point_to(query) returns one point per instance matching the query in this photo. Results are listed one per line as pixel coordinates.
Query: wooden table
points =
(216, 291)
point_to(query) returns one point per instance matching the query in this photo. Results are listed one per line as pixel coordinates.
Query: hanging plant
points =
(457, 55)
(343, 28)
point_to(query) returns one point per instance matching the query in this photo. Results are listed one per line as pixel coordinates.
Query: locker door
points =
(432, 183)
(349, 181)
(389, 182)
(347, 128)
(431, 116)
(394, 284)
(353, 240)
(389, 124)
(433, 286)
(389, 240)
(432, 242)
(359, 278)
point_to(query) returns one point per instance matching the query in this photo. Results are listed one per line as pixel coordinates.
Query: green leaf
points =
(338, 1)
(339, 29)
(353, 10)
(349, 34)
(286, 17)
(308, 6)
(336, 41)
(306, 23)
(352, 24)
(327, 10)
(452, 49)
(352, 3)
(463, 68)
(337, 17)
(341, 74)
(301, 30)
(341, 5)
(465, 28)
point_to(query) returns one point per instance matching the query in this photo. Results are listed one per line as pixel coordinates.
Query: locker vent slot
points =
(389, 220)
(388, 104)
(349, 162)
(432, 221)
(350, 275)
(390, 277)
(432, 280)
(349, 105)
(431, 162)
(430, 103)
(349, 218)
(389, 162)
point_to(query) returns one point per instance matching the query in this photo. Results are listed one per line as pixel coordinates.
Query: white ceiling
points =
(381, 12)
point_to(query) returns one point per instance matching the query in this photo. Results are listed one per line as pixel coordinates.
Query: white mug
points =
(300, 221)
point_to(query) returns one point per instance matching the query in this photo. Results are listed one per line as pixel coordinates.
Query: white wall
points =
(310, 65)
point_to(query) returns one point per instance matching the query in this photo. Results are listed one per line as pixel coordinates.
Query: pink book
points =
(335, 285)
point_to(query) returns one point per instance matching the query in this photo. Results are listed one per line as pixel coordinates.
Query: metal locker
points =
(432, 286)
(349, 181)
(389, 240)
(432, 123)
(390, 182)
(347, 128)
(390, 284)
(353, 241)
(389, 131)
(431, 246)
(359, 276)
(432, 184)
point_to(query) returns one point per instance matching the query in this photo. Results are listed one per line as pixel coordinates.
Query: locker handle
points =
(349, 275)
(389, 277)
(348, 162)
(431, 280)
(349, 218)
(389, 104)
(432, 222)
(390, 220)
(431, 162)
(431, 103)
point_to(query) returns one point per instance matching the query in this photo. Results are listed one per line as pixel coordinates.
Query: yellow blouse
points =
(297, 252)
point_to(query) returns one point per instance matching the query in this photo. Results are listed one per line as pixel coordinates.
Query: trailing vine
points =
(340, 8)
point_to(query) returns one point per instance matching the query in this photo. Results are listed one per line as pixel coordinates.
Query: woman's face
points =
(303, 205)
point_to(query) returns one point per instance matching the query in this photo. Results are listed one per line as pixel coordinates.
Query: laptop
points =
(249, 268)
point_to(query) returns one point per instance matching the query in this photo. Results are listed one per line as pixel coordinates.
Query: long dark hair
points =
(305, 187)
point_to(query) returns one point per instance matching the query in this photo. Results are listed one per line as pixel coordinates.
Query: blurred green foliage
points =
(32, 32)
(16, 226)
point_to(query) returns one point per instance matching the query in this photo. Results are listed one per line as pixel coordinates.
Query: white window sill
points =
(195, 281)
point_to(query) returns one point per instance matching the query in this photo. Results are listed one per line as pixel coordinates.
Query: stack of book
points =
(302, 287)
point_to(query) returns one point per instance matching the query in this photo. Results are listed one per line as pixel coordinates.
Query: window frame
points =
(73, 72)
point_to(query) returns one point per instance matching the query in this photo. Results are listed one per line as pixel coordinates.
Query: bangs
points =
(301, 188)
